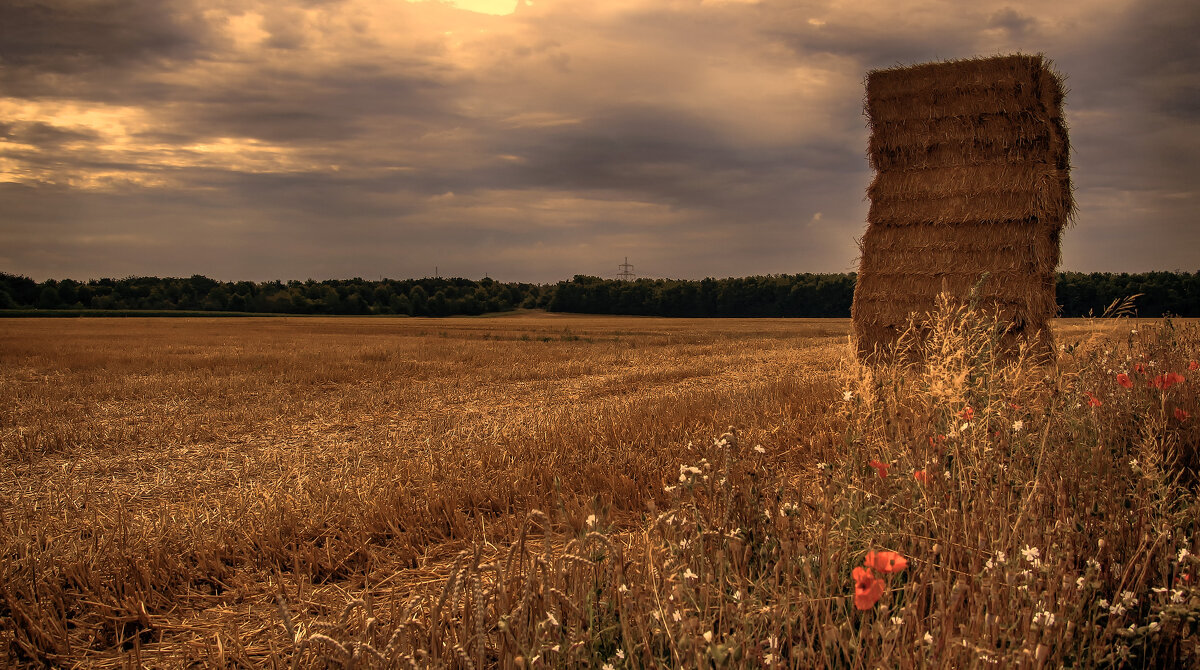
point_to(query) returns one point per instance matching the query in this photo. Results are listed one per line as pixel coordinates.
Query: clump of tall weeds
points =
(1045, 512)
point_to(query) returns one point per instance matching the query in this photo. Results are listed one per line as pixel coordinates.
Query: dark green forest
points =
(798, 295)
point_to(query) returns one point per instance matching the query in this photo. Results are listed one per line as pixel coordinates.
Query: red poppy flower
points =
(1124, 380)
(881, 468)
(1193, 366)
(921, 477)
(1093, 401)
(886, 562)
(1166, 381)
(967, 413)
(867, 588)
(1181, 415)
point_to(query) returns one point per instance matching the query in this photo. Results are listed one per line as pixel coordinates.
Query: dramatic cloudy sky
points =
(247, 139)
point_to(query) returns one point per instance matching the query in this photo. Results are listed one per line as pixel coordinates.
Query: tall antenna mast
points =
(626, 273)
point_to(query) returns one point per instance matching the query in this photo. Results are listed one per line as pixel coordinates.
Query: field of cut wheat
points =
(547, 491)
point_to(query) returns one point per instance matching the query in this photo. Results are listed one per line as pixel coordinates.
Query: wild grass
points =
(329, 493)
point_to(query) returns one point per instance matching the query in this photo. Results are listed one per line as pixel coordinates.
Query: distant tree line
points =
(798, 295)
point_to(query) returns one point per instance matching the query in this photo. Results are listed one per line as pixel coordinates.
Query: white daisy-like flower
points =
(1018, 426)
(1128, 598)
(1031, 554)
(847, 395)
(1176, 595)
(676, 615)
(1117, 609)
(688, 574)
(1103, 602)
(621, 654)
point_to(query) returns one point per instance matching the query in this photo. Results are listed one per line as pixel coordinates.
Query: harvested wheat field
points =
(545, 491)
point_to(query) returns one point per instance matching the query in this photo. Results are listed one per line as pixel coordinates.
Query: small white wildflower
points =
(622, 589)
(1023, 587)
(928, 638)
(607, 666)
(1018, 426)
(1128, 598)
(759, 449)
(591, 520)
(1183, 554)
(621, 654)
(945, 474)
(688, 574)
(768, 658)
(1103, 603)
(1092, 564)
(708, 636)
(1044, 618)
(1176, 595)
(1117, 609)
(682, 478)
(897, 620)
(823, 467)
(676, 615)
(847, 395)
(1133, 463)
(1031, 554)
(737, 595)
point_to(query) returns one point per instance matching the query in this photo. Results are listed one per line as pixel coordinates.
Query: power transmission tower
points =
(626, 273)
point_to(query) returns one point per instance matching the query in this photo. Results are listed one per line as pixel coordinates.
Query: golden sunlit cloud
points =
(494, 7)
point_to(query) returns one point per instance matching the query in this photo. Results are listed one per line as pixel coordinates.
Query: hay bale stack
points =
(972, 181)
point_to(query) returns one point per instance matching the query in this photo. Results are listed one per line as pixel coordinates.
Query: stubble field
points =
(209, 491)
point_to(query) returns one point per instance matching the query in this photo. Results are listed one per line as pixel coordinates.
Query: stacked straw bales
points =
(972, 181)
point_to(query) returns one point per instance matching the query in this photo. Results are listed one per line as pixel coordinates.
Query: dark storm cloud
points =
(71, 37)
